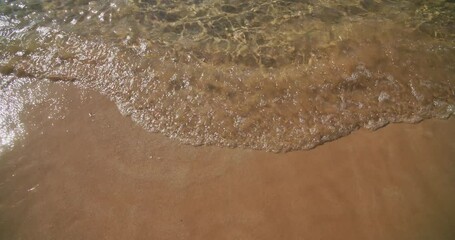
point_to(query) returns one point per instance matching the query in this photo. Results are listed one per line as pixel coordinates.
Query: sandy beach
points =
(93, 174)
(227, 119)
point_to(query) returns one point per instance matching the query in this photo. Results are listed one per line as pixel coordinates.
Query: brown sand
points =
(96, 175)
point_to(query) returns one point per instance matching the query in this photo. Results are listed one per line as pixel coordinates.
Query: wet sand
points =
(94, 174)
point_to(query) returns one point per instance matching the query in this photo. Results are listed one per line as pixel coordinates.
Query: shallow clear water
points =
(275, 75)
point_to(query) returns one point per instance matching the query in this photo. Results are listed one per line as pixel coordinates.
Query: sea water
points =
(276, 75)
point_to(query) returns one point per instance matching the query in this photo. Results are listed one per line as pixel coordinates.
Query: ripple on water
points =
(274, 75)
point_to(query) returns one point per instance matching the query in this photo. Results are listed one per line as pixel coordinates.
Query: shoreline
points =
(92, 173)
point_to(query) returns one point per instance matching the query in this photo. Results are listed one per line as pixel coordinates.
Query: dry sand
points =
(96, 175)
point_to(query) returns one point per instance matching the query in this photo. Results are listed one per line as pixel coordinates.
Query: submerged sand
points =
(93, 174)
(274, 75)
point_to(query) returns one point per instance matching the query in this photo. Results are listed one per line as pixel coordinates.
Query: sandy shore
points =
(94, 174)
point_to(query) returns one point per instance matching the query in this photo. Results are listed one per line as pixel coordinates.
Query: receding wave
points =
(276, 75)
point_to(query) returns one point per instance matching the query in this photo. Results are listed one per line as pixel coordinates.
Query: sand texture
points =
(94, 174)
